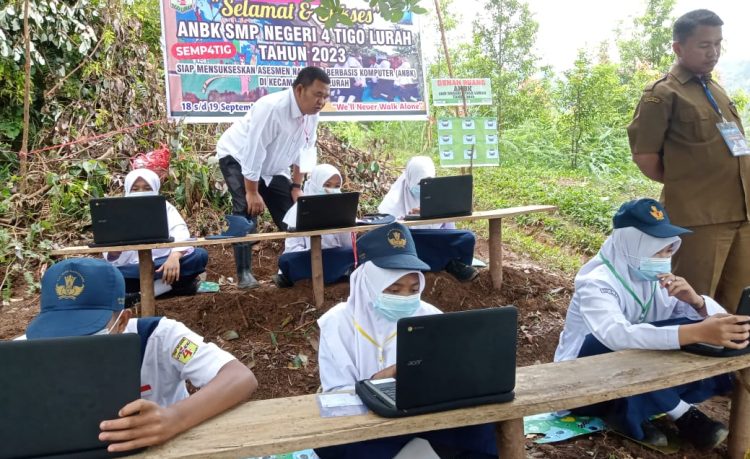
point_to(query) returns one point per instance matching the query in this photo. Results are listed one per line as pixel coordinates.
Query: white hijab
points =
(400, 201)
(177, 227)
(345, 354)
(624, 248)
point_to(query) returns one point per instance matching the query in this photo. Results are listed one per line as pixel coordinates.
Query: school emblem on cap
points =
(184, 351)
(657, 214)
(396, 239)
(69, 285)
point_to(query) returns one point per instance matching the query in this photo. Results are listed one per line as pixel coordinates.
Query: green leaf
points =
(418, 10)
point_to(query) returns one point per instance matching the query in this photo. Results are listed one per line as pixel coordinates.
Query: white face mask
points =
(328, 190)
(107, 331)
(142, 193)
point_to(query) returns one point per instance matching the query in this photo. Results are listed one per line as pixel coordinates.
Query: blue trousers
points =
(437, 247)
(190, 267)
(338, 263)
(628, 413)
(475, 439)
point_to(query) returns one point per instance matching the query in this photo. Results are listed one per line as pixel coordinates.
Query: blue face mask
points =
(329, 190)
(649, 268)
(394, 307)
(415, 191)
(134, 194)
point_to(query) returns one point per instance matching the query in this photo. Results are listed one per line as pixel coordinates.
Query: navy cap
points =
(78, 297)
(648, 216)
(390, 247)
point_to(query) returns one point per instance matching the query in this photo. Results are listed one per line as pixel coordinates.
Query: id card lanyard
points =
(729, 131)
(379, 347)
(644, 307)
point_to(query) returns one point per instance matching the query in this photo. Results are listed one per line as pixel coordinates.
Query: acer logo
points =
(414, 363)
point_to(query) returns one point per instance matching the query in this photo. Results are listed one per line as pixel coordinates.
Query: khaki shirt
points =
(703, 183)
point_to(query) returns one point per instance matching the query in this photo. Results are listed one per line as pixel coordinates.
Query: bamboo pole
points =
(22, 155)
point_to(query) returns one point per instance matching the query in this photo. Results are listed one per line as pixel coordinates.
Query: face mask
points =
(394, 307)
(332, 190)
(649, 268)
(142, 193)
(415, 190)
(107, 331)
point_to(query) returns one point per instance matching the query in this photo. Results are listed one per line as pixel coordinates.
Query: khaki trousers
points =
(715, 260)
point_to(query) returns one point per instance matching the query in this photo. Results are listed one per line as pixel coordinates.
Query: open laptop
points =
(712, 350)
(56, 391)
(441, 197)
(129, 220)
(448, 361)
(325, 211)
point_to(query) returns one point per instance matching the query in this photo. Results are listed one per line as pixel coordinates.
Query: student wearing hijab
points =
(177, 269)
(338, 258)
(627, 298)
(358, 337)
(441, 246)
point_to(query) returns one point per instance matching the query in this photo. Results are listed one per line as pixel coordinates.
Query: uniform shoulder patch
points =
(651, 99)
(184, 351)
(609, 291)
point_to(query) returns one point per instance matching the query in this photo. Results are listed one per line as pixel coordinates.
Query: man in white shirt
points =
(257, 152)
(85, 296)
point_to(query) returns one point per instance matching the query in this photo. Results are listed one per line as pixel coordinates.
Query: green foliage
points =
(650, 43)
(333, 12)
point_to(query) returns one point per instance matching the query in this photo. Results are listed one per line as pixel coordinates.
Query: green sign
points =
(461, 138)
(451, 91)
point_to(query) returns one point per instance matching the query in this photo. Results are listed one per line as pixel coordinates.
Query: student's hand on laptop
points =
(255, 204)
(414, 211)
(719, 329)
(171, 268)
(389, 372)
(296, 193)
(142, 423)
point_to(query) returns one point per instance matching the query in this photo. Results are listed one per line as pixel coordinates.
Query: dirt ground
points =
(277, 333)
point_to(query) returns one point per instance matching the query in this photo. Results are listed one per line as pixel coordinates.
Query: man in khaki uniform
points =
(675, 140)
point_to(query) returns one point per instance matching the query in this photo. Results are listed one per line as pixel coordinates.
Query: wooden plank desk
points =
(282, 425)
(146, 265)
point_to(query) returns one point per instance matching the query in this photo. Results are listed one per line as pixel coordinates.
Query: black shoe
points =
(461, 271)
(700, 430)
(131, 299)
(185, 288)
(281, 281)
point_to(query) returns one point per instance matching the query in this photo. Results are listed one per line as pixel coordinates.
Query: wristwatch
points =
(295, 185)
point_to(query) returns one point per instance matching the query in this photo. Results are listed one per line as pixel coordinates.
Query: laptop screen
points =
(55, 392)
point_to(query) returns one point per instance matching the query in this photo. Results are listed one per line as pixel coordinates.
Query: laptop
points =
(325, 211)
(448, 361)
(712, 350)
(131, 220)
(56, 391)
(441, 197)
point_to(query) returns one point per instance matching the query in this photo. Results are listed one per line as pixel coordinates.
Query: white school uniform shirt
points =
(319, 175)
(346, 355)
(269, 139)
(178, 229)
(399, 200)
(175, 354)
(602, 306)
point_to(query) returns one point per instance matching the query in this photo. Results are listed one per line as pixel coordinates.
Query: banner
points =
(461, 138)
(223, 55)
(448, 91)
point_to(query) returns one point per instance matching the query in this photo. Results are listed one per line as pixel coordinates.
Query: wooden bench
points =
(146, 265)
(282, 425)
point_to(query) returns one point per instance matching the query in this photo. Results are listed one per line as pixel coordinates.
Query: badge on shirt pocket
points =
(733, 138)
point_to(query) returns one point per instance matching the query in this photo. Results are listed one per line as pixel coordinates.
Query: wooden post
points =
(739, 427)
(316, 259)
(146, 269)
(510, 439)
(496, 252)
(23, 154)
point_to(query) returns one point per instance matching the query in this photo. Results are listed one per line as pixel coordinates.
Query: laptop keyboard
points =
(388, 389)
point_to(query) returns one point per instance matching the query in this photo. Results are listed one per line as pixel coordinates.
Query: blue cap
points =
(648, 216)
(390, 247)
(237, 226)
(78, 298)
